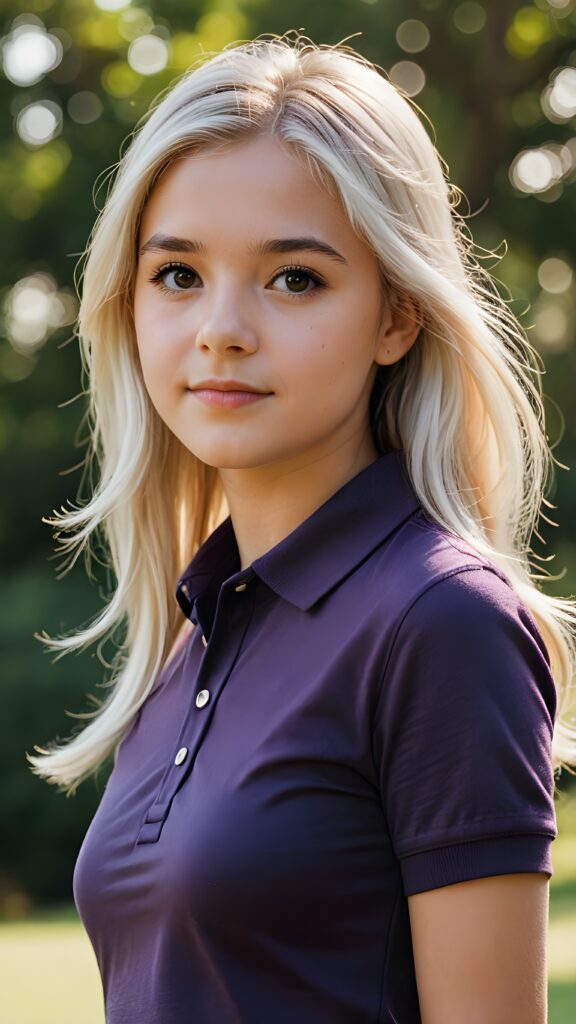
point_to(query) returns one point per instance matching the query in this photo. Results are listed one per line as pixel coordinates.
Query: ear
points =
(402, 320)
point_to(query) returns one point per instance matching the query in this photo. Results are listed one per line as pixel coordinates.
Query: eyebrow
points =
(170, 243)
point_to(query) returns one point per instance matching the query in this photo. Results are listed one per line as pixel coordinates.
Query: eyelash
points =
(156, 278)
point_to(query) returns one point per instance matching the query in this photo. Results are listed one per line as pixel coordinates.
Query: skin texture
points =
(480, 950)
(236, 317)
(479, 946)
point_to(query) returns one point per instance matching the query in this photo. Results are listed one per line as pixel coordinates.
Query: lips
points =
(229, 399)
(228, 385)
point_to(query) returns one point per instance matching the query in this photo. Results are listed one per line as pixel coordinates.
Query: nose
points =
(225, 325)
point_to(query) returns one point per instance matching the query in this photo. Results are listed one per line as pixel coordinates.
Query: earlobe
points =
(400, 328)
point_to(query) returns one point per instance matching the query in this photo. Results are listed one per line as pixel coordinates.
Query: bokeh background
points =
(498, 82)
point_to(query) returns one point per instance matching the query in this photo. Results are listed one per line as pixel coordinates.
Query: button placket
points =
(197, 720)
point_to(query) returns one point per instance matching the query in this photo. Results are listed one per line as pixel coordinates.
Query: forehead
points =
(244, 187)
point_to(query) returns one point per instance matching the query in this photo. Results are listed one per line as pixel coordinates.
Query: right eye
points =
(180, 273)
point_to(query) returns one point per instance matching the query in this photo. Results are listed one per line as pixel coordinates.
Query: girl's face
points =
(248, 271)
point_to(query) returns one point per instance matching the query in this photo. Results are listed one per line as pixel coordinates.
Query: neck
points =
(268, 502)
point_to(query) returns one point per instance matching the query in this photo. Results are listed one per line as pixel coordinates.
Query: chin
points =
(232, 456)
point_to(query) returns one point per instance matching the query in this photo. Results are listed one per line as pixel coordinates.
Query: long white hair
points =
(465, 402)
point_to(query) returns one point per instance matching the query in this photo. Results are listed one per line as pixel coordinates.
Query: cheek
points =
(148, 352)
(157, 374)
(334, 352)
(157, 356)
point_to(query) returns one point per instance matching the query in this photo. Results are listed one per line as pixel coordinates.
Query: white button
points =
(202, 698)
(241, 586)
(204, 640)
(181, 755)
(185, 590)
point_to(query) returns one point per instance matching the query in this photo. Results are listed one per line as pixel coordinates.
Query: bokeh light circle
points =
(412, 36)
(551, 324)
(37, 123)
(562, 94)
(85, 107)
(34, 308)
(555, 275)
(148, 55)
(535, 170)
(408, 76)
(111, 5)
(469, 17)
(28, 53)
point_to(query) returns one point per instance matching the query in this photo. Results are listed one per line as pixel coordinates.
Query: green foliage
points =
(41, 831)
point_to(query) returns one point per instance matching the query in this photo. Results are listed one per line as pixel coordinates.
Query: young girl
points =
(342, 698)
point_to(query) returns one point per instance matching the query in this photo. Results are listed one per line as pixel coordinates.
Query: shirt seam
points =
(451, 572)
(387, 947)
(537, 632)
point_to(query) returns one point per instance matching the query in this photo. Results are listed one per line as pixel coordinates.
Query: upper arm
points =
(480, 950)
(462, 737)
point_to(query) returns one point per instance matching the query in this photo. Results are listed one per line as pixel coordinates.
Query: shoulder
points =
(468, 603)
(423, 552)
(428, 601)
(461, 629)
(427, 576)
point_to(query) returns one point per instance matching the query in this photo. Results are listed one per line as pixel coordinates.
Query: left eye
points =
(294, 276)
(181, 274)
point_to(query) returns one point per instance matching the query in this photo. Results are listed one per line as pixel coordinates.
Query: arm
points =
(480, 950)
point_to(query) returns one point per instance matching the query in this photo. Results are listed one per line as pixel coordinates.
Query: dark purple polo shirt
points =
(371, 717)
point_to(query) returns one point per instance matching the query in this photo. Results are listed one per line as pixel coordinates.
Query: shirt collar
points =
(322, 550)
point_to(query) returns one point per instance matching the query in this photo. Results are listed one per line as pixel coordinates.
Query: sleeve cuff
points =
(462, 862)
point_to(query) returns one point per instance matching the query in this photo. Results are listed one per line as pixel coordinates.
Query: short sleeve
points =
(463, 733)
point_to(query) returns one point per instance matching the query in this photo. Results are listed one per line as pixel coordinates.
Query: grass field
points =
(49, 972)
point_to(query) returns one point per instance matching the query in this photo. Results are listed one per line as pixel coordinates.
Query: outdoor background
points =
(498, 81)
